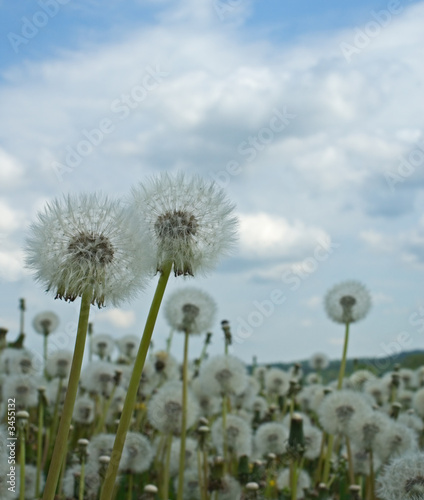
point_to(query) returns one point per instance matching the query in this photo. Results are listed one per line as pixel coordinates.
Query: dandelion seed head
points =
(347, 302)
(403, 478)
(88, 243)
(189, 219)
(190, 310)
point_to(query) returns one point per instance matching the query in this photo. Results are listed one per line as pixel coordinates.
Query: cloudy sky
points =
(309, 114)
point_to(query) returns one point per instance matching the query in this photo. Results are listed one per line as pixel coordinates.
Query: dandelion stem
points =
(39, 444)
(167, 464)
(328, 458)
(130, 400)
(183, 422)
(343, 363)
(71, 393)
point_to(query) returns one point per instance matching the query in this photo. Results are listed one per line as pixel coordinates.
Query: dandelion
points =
(359, 378)
(319, 362)
(103, 345)
(59, 364)
(411, 420)
(165, 409)
(222, 375)
(403, 478)
(190, 310)
(418, 402)
(190, 452)
(99, 378)
(84, 410)
(127, 345)
(271, 438)
(277, 382)
(191, 225)
(190, 221)
(138, 453)
(338, 408)
(100, 446)
(22, 389)
(85, 243)
(238, 435)
(394, 441)
(45, 322)
(84, 246)
(347, 302)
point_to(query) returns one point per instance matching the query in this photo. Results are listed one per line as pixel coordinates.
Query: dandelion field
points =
(134, 423)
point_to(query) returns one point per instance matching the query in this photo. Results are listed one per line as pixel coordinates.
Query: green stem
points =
(183, 422)
(130, 400)
(343, 363)
(82, 481)
(45, 343)
(169, 341)
(167, 464)
(294, 479)
(350, 462)
(224, 431)
(326, 473)
(53, 427)
(106, 406)
(39, 446)
(130, 486)
(68, 407)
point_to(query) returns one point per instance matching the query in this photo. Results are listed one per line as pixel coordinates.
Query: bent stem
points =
(130, 400)
(183, 422)
(68, 406)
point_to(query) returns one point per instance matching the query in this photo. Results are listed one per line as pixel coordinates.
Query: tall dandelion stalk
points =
(345, 303)
(190, 223)
(84, 246)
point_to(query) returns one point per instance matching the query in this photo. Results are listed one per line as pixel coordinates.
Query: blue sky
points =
(308, 113)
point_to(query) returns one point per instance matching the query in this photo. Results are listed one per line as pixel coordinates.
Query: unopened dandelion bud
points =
(150, 490)
(296, 437)
(395, 379)
(322, 491)
(3, 342)
(117, 377)
(252, 490)
(395, 410)
(227, 332)
(243, 469)
(217, 470)
(258, 471)
(355, 491)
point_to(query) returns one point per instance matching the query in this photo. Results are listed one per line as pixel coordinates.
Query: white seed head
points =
(189, 219)
(45, 322)
(403, 478)
(190, 310)
(224, 374)
(347, 302)
(87, 242)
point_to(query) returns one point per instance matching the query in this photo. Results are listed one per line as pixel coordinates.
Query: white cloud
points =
(117, 317)
(266, 236)
(10, 170)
